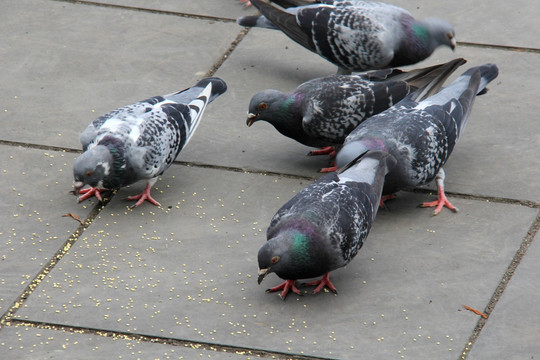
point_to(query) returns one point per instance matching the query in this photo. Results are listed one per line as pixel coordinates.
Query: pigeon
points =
(322, 112)
(357, 35)
(421, 132)
(322, 228)
(140, 141)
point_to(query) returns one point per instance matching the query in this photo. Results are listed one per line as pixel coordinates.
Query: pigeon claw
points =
(328, 169)
(385, 198)
(441, 202)
(88, 193)
(328, 150)
(321, 283)
(245, 3)
(286, 286)
(145, 195)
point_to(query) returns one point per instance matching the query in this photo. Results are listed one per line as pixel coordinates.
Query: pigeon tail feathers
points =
(440, 76)
(185, 96)
(256, 21)
(286, 22)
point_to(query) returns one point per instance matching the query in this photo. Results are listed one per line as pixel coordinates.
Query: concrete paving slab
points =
(188, 271)
(29, 343)
(68, 63)
(229, 9)
(33, 198)
(513, 327)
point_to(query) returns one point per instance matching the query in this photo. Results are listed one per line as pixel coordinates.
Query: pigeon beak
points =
(453, 44)
(78, 186)
(251, 119)
(262, 274)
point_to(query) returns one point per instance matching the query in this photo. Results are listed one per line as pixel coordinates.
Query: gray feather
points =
(420, 135)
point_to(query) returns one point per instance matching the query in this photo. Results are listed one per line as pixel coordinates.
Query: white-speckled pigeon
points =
(357, 35)
(322, 228)
(421, 132)
(140, 141)
(323, 111)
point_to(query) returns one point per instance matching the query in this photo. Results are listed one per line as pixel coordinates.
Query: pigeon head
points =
(268, 105)
(92, 167)
(274, 256)
(296, 252)
(437, 32)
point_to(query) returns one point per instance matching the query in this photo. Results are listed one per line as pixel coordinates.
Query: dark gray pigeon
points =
(140, 141)
(421, 132)
(322, 228)
(356, 35)
(323, 111)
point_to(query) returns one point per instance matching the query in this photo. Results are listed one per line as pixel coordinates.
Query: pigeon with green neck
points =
(356, 35)
(324, 226)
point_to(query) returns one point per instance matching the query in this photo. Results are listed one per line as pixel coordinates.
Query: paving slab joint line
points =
(499, 47)
(38, 146)
(228, 52)
(516, 260)
(7, 317)
(486, 198)
(495, 199)
(149, 10)
(199, 345)
(245, 170)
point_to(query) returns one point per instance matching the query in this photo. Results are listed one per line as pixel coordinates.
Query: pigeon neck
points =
(288, 117)
(116, 148)
(416, 46)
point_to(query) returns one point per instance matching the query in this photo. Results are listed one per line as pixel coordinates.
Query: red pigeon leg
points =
(442, 200)
(321, 283)
(286, 286)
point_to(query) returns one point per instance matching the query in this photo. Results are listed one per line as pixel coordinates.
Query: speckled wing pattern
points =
(354, 35)
(336, 105)
(153, 130)
(422, 135)
(343, 210)
(421, 141)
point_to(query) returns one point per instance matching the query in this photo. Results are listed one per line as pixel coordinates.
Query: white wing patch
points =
(197, 108)
(363, 172)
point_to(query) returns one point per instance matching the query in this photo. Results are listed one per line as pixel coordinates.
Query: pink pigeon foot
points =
(89, 192)
(321, 283)
(145, 195)
(328, 169)
(440, 203)
(386, 198)
(286, 286)
(328, 150)
(442, 200)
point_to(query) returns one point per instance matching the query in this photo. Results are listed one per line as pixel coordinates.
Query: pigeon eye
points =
(89, 173)
(449, 36)
(262, 106)
(275, 259)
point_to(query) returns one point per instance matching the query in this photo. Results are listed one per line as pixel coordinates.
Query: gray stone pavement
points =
(179, 281)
